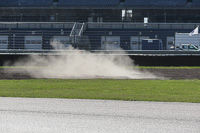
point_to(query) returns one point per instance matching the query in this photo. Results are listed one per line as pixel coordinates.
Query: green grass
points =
(136, 90)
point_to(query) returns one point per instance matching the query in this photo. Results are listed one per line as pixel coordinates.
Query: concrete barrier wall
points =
(139, 60)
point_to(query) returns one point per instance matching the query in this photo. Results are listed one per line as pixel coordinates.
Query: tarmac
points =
(22, 115)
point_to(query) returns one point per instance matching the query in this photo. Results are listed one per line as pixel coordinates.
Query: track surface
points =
(22, 115)
(19, 73)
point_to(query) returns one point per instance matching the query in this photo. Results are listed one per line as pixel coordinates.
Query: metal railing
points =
(73, 30)
(36, 24)
(82, 29)
(103, 25)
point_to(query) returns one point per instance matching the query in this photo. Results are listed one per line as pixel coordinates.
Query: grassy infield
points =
(137, 90)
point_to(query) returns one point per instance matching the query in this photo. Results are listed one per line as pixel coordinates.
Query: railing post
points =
(9, 44)
(42, 40)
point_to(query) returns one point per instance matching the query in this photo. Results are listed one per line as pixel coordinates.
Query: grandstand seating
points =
(155, 2)
(88, 2)
(25, 3)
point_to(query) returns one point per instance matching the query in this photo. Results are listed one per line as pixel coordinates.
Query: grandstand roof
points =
(101, 3)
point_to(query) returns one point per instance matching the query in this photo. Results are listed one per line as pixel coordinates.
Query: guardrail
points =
(113, 25)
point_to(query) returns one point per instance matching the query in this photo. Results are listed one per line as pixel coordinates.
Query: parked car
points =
(187, 47)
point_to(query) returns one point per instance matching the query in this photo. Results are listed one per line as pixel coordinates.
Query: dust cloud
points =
(79, 64)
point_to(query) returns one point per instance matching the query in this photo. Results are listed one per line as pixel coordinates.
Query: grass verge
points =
(110, 89)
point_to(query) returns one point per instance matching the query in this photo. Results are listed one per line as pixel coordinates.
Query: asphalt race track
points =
(22, 115)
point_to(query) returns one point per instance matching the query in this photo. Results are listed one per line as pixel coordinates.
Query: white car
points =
(187, 47)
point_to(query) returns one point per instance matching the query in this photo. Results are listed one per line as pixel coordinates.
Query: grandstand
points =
(94, 24)
(31, 26)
